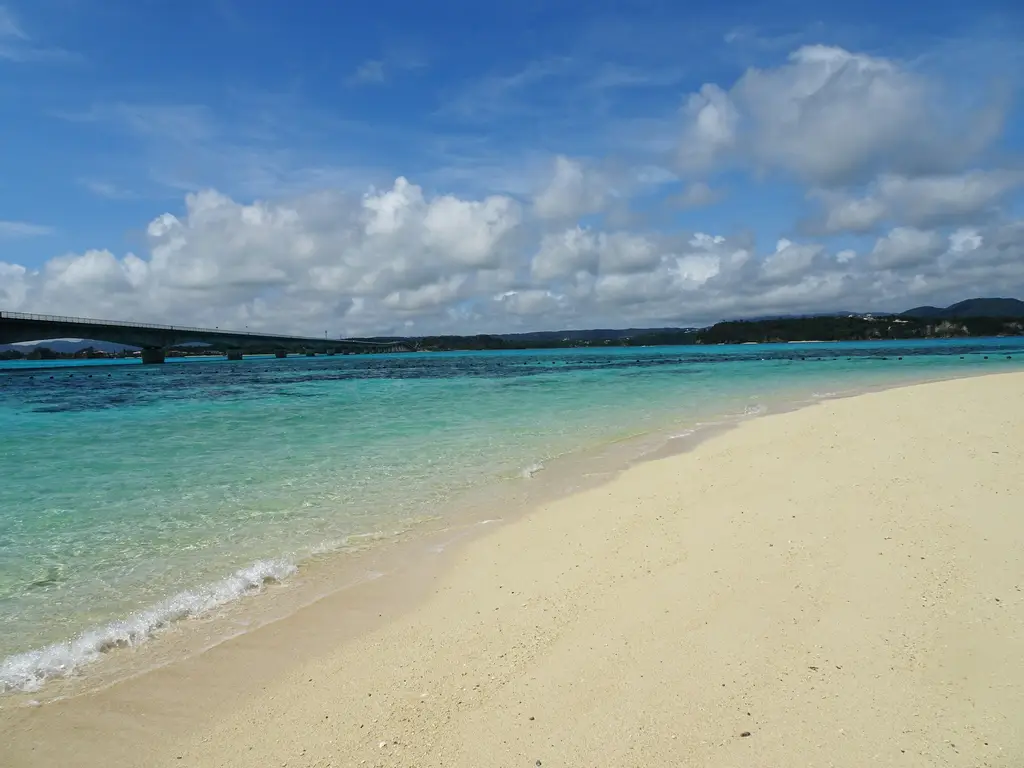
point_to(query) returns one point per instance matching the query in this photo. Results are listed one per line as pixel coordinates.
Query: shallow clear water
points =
(129, 495)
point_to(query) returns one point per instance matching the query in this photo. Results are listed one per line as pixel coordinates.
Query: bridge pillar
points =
(152, 355)
(234, 354)
(280, 354)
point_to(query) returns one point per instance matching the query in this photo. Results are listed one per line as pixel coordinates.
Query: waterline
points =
(122, 500)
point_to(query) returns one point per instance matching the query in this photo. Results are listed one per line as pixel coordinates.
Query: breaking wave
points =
(30, 670)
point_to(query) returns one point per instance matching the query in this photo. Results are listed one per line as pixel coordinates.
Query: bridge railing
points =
(177, 328)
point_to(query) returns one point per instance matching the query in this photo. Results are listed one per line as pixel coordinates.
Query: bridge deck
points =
(20, 326)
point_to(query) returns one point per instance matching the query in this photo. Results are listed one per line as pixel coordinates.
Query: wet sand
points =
(838, 585)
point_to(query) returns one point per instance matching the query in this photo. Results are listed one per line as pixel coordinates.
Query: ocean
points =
(134, 498)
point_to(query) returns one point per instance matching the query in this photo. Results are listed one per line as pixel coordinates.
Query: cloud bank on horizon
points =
(644, 170)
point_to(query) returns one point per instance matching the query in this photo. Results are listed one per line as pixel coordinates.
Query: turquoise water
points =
(135, 496)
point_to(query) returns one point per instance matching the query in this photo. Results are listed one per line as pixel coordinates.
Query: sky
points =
(453, 167)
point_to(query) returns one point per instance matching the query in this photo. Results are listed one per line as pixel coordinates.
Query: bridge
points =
(155, 340)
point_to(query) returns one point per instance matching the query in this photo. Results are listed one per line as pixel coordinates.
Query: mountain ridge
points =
(990, 307)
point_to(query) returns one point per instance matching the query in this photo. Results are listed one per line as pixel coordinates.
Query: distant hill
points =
(596, 334)
(592, 334)
(971, 308)
(794, 327)
(65, 346)
(837, 313)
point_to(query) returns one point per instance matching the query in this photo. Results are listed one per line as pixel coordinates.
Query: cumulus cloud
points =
(923, 201)
(399, 260)
(847, 214)
(711, 119)
(906, 247)
(530, 302)
(875, 144)
(830, 117)
(696, 195)
(360, 262)
(14, 285)
(573, 190)
(581, 250)
(790, 259)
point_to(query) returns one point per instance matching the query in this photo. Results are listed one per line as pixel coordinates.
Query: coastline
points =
(403, 554)
(295, 584)
(364, 647)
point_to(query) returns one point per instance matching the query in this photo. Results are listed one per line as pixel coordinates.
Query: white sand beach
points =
(841, 585)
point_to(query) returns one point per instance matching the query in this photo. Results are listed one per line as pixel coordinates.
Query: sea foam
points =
(30, 670)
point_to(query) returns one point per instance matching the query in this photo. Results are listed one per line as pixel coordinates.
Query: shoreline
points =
(383, 555)
(168, 694)
(305, 582)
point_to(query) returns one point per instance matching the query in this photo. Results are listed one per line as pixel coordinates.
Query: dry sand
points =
(836, 586)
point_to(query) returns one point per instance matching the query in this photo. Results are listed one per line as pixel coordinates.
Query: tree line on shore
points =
(819, 328)
(822, 328)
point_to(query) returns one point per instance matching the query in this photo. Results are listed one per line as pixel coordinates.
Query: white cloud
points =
(875, 142)
(531, 302)
(790, 260)
(14, 285)
(922, 201)
(906, 247)
(399, 260)
(565, 253)
(425, 297)
(931, 200)
(627, 253)
(711, 120)
(696, 195)
(573, 190)
(580, 250)
(830, 117)
(845, 214)
(965, 240)
(468, 231)
(694, 270)
(355, 261)
(17, 229)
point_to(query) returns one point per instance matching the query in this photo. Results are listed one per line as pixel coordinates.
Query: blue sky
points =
(114, 111)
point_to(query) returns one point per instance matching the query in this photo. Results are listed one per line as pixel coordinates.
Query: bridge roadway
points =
(156, 339)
